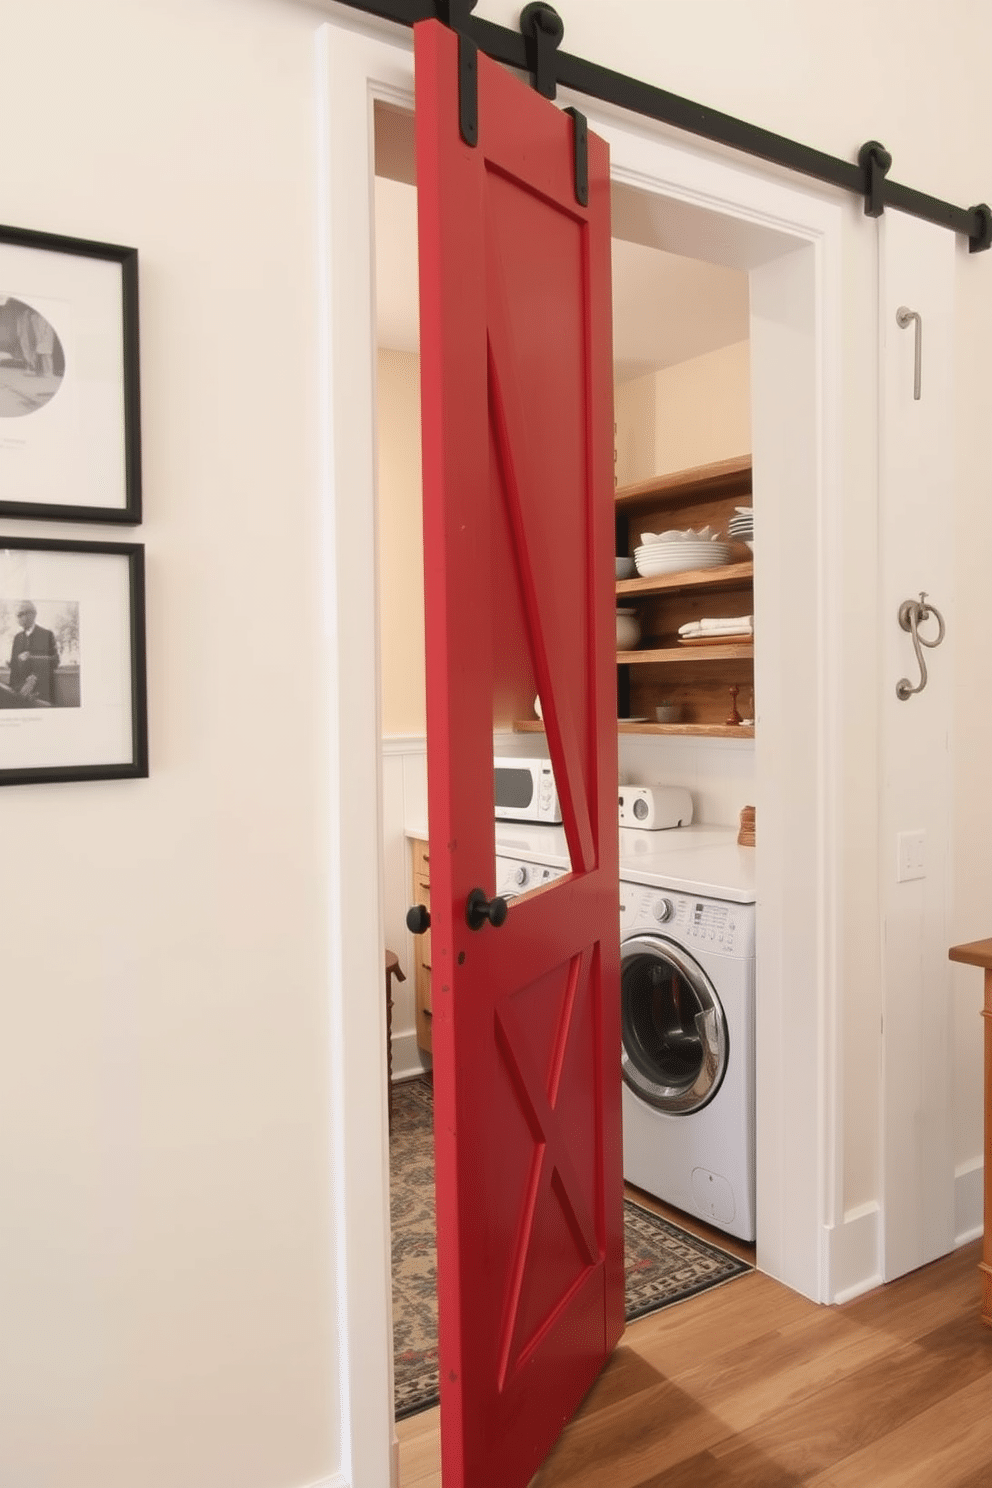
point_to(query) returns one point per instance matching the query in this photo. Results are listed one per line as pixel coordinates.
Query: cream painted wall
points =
(401, 548)
(165, 1278)
(634, 419)
(686, 415)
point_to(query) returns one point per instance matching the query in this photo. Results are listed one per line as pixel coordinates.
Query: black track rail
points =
(538, 54)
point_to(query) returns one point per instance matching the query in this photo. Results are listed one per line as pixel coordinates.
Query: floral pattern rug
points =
(663, 1264)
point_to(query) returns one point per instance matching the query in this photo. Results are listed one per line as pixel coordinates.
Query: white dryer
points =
(687, 996)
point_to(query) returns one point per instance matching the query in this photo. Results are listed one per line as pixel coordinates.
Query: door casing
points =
(789, 239)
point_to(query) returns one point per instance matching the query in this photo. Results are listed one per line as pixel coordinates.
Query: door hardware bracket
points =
(455, 14)
(982, 239)
(875, 160)
(542, 29)
(580, 145)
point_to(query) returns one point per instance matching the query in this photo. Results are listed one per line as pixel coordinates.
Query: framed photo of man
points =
(73, 702)
(70, 440)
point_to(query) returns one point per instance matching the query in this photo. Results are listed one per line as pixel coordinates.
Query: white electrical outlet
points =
(910, 855)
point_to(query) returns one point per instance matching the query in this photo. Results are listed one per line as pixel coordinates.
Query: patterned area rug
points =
(663, 1263)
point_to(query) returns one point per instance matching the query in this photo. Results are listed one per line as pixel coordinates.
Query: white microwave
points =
(525, 790)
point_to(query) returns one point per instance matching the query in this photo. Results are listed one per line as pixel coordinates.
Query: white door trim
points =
(790, 239)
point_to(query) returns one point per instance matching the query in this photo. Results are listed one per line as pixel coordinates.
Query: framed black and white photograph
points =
(70, 441)
(72, 661)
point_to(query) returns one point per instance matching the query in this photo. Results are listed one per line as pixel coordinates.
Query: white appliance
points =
(687, 995)
(515, 876)
(654, 807)
(525, 790)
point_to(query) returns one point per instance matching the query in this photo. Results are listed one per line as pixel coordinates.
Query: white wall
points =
(165, 1284)
(166, 1281)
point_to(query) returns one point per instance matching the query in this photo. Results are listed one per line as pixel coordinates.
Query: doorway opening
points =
(682, 363)
(788, 240)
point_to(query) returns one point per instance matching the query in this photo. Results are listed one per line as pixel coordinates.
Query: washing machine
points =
(687, 999)
(518, 875)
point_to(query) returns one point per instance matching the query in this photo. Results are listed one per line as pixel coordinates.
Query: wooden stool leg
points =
(393, 969)
(986, 1264)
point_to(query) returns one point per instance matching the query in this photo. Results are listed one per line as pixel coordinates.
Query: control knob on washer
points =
(520, 876)
(640, 808)
(663, 910)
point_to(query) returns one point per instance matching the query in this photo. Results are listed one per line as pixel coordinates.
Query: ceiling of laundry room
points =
(666, 309)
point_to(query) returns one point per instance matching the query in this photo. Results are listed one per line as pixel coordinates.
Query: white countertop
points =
(693, 860)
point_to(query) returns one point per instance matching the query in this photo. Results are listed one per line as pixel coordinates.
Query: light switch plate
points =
(910, 856)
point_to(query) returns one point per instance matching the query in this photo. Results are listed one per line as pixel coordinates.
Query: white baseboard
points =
(854, 1247)
(853, 1254)
(969, 1191)
(407, 1058)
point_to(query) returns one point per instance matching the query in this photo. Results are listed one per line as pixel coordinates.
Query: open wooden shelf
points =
(694, 730)
(699, 678)
(701, 483)
(733, 651)
(729, 576)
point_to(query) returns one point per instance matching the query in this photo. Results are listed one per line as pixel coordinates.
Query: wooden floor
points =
(750, 1385)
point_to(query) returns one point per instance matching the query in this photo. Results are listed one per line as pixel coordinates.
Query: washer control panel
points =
(514, 877)
(706, 924)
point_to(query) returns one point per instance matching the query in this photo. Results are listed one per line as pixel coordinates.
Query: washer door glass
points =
(674, 1031)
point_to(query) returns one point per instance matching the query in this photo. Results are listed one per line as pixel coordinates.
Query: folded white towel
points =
(741, 625)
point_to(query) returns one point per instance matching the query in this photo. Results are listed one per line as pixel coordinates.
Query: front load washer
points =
(687, 999)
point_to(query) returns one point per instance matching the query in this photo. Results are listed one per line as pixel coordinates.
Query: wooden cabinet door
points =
(517, 416)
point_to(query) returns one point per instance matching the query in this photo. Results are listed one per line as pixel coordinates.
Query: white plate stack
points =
(741, 526)
(679, 551)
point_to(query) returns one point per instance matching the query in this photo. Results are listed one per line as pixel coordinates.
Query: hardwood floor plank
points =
(749, 1470)
(419, 1437)
(753, 1386)
(869, 1403)
(923, 1299)
(951, 1443)
(706, 1408)
(784, 1370)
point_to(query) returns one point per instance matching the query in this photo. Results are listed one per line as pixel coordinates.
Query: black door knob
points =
(480, 911)
(418, 919)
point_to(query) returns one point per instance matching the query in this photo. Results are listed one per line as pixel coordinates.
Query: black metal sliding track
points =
(537, 52)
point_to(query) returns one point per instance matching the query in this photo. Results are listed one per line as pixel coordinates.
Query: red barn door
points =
(516, 362)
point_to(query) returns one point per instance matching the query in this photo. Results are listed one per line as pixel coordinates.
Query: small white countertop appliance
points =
(655, 807)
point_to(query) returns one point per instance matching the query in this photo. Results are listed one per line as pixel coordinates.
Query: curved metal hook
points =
(904, 318)
(912, 614)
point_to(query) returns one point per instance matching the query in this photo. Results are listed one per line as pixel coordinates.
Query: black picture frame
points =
(70, 427)
(73, 694)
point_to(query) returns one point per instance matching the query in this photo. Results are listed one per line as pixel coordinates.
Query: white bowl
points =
(625, 568)
(680, 562)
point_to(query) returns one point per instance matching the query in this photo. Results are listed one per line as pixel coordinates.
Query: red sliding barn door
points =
(518, 531)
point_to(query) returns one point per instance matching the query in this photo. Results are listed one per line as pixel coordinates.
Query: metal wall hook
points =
(904, 318)
(912, 614)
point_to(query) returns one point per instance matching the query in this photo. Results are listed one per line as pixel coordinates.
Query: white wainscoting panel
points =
(404, 808)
